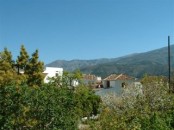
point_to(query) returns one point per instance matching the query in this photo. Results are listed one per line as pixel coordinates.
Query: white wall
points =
(117, 84)
(88, 81)
(75, 83)
(98, 79)
(52, 72)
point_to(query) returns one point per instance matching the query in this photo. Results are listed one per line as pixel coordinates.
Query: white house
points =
(118, 82)
(52, 72)
(90, 79)
(75, 83)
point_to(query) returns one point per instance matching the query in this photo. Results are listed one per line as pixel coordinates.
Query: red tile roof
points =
(89, 77)
(118, 77)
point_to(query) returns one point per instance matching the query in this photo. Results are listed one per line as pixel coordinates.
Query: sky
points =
(85, 29)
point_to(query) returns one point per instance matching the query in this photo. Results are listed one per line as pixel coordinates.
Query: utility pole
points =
(169, 81)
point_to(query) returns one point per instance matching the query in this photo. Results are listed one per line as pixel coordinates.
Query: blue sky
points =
(85, 29)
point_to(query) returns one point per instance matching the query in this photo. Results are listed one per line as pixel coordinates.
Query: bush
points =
(151, 110)
(41, 108)
(46, 107)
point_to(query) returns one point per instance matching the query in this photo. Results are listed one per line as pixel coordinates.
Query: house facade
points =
(118, 81)
(52, 72)
(93, 80)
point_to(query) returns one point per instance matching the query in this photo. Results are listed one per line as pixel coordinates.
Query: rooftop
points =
(89, 77)
(119, 77)
(52, 69)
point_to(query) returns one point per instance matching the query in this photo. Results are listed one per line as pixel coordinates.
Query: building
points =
(118, 81)
(52, 72)
(93, 80)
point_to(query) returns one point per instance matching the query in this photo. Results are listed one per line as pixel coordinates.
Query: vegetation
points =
(137, 69)
(8, 74)
(22, 59)
(151, 109)
(34, 70)
(28, 104)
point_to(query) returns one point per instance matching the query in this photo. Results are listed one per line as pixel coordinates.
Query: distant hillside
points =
(136, 70)
(152, 62)
(78, 64)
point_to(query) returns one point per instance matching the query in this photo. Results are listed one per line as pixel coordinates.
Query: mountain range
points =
(153, 62)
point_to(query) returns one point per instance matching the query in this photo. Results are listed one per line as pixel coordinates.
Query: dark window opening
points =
(108, 84)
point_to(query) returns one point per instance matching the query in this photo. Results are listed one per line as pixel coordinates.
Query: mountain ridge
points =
(152, 62)
(66, 64)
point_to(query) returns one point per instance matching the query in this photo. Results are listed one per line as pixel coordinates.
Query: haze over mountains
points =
(153, 62)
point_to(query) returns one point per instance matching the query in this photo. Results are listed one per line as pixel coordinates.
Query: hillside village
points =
(117, 81)
(38, 97)
(86, 65)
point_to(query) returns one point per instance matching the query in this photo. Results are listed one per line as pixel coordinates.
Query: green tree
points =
(23, 58)
(88, 102)
(34, 70)
(68, 79)
(7, 71)
(21, 63)
(45, 108)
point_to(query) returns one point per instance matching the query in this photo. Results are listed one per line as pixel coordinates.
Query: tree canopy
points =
(34, 70)
(7, 71)
(28, 104)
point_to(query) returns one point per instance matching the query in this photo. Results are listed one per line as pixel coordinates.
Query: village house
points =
(118, 81)
(93, 80)
(52, 72)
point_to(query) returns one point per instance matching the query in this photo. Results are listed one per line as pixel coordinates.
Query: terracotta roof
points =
(118, 77)
(89, 77)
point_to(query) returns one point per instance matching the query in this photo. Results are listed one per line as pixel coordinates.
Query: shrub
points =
(151, 110)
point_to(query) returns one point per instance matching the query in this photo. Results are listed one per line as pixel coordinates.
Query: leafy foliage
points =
(46, 107)
(59, 105)
(88, 102)
(23, 58)
(151, 110)
(7, 71)
(53, 106)
(34, 70)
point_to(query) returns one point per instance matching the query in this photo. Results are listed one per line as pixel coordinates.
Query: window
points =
(56, 74)
(123, 85)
